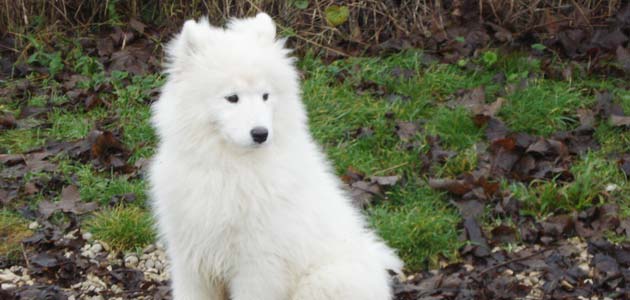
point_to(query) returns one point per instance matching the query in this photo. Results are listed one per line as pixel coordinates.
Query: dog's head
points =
(233, 82)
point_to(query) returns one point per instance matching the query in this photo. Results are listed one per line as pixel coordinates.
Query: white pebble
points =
(131, 260)
(8, 276)
(468, 267)
(149, 264)
(7, 286)
(159, 266)
(116, 289)
(96, 248)
(87, 236)
(33, 225)
(611, 187)
(149, 249)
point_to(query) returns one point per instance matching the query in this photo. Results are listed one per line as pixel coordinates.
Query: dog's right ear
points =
(189, 42)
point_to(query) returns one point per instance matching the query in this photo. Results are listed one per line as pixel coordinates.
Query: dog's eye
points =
(232, 98)
(265, 96)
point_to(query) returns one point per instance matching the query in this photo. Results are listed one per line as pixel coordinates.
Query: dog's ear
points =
(193, 37)
(261, 26)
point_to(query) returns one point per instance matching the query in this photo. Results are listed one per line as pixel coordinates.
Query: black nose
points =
(259, 134)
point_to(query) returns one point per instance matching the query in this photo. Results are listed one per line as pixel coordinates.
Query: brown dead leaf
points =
(491, 109)
(135, 58)
(476, 237)
(106, 150)
(385, 180)
(352, 175)
(30, 188)
(495, 129)
(7, 121)
(137, 25)
(624, 165)
(454, 186)
(472, 99)
(362, 193)
(105, 46)
(503, 234)
(619, 121)
(605, 106)
(469, 208)
(406, 130)
(623, 58)
(70, 202)
(92, 101)
(586, 116)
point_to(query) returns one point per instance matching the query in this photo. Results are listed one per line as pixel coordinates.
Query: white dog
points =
(245, 200)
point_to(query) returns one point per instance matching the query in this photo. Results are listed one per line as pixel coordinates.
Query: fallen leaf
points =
(7, 121)
(454, 186)
(137, 25)
(70, 203)
(623, 58)
(491, 109)
(473, 99)
(131, 279)
(495, 129)
(469, 208)
(406, 130)
(44, 260)
(619, 121)
(475, 235)
(586, 116)
(362, 193)
(385, 180)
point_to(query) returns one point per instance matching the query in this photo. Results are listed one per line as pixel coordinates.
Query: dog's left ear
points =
(261, 26)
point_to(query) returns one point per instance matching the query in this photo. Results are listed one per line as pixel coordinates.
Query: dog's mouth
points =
(255, 146)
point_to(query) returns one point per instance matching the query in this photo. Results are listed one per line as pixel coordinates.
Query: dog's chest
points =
(232, 217)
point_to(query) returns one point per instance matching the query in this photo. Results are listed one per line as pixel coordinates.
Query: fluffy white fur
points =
(249, 221)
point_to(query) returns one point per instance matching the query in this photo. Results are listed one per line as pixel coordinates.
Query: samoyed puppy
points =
(246, 202)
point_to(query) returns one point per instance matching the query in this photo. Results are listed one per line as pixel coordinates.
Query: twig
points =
(303, 38)
(514, 260)
(390, 168)
(28, 264)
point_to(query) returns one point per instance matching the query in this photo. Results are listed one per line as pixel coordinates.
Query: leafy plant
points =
(300, 4)
(539, 47)
(52, 61)
(123, 228)
(336, 15)
(489, 58)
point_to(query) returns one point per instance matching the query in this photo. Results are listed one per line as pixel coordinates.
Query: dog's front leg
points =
(260, 280)
(189, 285)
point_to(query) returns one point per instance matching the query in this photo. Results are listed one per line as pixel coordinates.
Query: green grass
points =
(422, 228)
(414, 219)
(455, 128)
(123, 228)
(543, 108)
(593, 174)
(102, 187)
(20, 140)
(13, 229)
(71, 126)
(464, 161)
